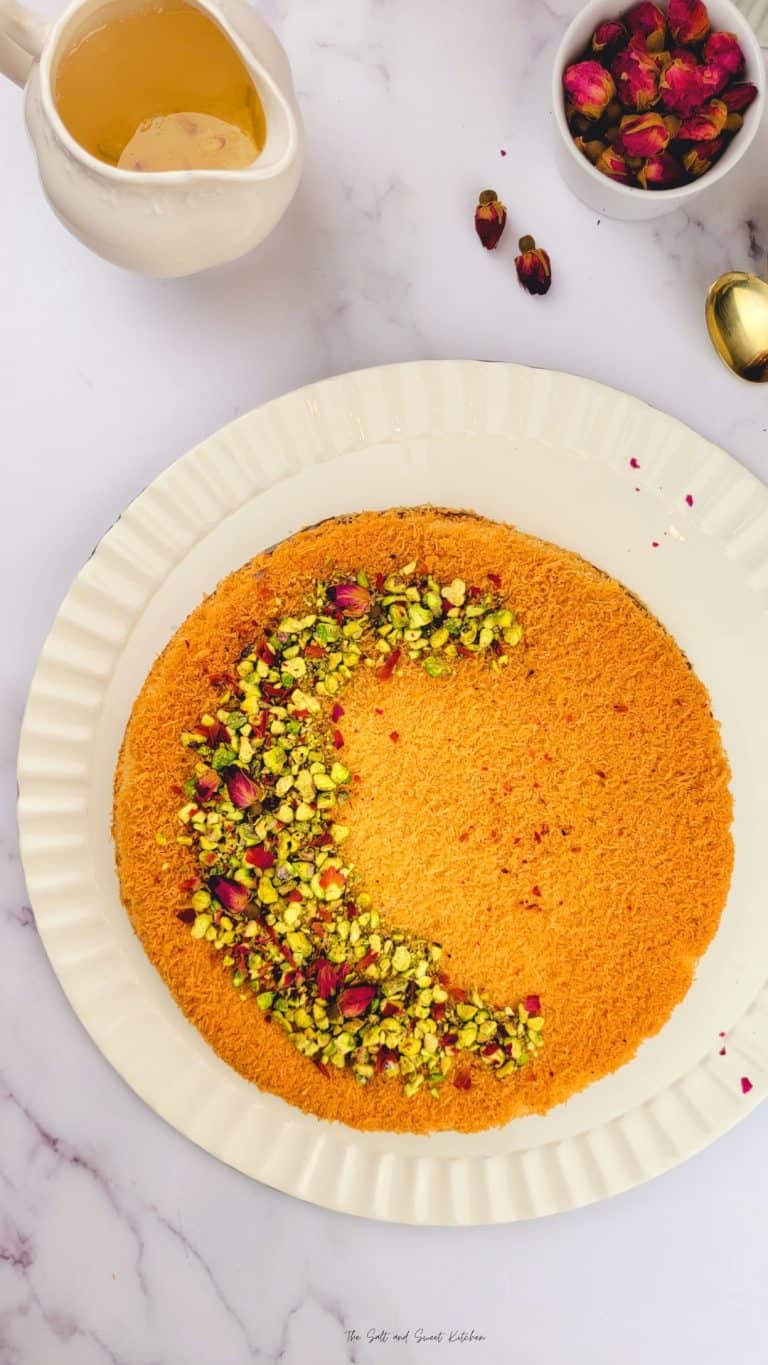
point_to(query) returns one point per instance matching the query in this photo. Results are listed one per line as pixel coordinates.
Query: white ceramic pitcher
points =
(166, 222)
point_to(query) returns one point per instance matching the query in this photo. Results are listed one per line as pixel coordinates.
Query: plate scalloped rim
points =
(374, 1175)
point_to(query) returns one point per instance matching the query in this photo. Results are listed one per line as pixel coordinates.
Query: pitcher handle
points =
(22, 35)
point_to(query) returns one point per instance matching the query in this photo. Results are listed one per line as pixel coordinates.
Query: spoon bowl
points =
(737, 318)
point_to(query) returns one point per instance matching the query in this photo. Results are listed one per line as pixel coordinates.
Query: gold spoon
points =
(737, 318)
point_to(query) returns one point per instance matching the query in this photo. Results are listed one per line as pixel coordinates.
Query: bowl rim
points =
(755, 72)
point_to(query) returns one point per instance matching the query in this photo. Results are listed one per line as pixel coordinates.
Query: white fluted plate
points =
(550, 453)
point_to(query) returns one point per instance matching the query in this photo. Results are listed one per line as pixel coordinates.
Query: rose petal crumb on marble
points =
(634, 464)
(654, 544)
(689, 499)
(503, 151)
(746, 1085)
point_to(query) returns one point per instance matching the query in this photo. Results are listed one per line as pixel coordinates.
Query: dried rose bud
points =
(723, 50)
(637, 78)
(684, 55)
(706, 124)
(648, 22)
(662, 59)
(698, 158)
(576, 122)
(660, 172)
(613, 113)
(609, 37)
(738, 97)
(242, 791)
(672, 124)
(207, 785)
(490, 219)
(351, 598)
(682, 88)
(592, 149)
(232, 895)
(612, 136)
(688, 20)
(713, 80)
(534, 270)
(734, 123)
(590, 88)
(355, 1000)
(614, 165)
(643, 135)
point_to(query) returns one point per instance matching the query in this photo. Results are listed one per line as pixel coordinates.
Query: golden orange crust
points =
(562, 827)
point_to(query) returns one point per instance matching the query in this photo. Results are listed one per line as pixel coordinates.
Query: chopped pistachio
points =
(349, 992)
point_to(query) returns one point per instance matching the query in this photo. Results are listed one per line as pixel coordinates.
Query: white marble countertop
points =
(119, 1241)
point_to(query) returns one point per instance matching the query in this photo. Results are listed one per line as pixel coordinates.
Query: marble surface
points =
(119, 1241)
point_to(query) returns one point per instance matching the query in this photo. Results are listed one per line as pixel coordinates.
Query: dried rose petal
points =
(643, 135)
(242, 790)
(389, 665)
(532, 1004)
(637, 77)
(706, 124)
(660, 172)
(217, 733)
(613, 164)
(688, 20)
(337, 711)
(232, 895)
(723, 50)
(698, 158)
(534, 270)
(355, 1000)
(327, 978)
(609, 36)
(590, 88)
(746, 1085)
(490, 219)
(207, 785)
(259, 857)
(648, 22)
(738, 97)
(186, 916)
(350, 598)
(463, 1080)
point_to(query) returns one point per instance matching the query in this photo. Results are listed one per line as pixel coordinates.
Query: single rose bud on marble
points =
(683, 88)
(534, 270)
(706, 124)
(589, 87)
(660, 172)
(490, 219)
(648, 22)
(637, 78)
(723, 50)
(614, 165)
(738, 97)
(688, 20)
(609, 37)
(643, 134)
(698, 158)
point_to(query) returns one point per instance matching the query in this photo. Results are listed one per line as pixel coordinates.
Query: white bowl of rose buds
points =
(655, 104)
